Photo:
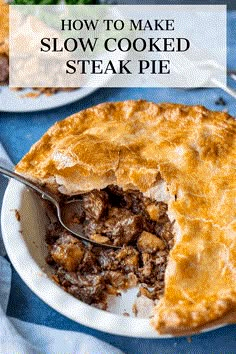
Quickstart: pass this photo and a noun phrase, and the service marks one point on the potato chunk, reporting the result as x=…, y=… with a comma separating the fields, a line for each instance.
x=100, y=239
x=149, y=243
x=156, y=210
x=68, y=252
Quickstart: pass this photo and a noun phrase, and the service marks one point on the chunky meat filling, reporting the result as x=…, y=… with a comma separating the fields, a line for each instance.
x=112, y=216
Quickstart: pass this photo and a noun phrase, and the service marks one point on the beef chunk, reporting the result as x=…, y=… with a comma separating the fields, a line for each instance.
x=95, y=204
x=122, y=226
x=54, y=231
x=92, y=227
x=128, y=258
x=134, y=201
x=88, y=288
x=153, y=270
x=89, y=264
x=116, y=279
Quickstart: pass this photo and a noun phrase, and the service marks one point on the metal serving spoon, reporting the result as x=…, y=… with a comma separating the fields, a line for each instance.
x=61, y=213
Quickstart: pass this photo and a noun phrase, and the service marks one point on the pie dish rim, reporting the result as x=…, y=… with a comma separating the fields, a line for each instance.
x=19, y=250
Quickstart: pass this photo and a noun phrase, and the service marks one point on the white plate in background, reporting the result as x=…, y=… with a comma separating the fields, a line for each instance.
x=14, y=101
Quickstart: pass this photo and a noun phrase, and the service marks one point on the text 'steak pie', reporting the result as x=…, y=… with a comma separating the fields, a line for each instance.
x=184, y=156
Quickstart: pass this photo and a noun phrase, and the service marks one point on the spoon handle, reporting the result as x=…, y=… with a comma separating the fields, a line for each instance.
x=45, y=194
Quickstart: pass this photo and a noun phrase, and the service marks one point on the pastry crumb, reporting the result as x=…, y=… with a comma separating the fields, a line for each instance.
x=135, y=310
x=55, y=278
x=126, y=314
x=17, y=215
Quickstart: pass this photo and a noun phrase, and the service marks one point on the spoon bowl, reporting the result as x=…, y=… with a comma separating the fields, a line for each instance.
x=66, y=211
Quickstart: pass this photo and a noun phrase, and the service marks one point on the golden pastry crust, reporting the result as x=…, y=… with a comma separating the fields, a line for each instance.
x=4, y=29
x=135, y=143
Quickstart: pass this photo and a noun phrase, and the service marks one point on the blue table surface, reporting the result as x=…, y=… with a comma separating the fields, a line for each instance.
x=18, y=131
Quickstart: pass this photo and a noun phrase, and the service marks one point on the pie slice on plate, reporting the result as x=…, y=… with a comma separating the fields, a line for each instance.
x=4, y=53
x=182, y=156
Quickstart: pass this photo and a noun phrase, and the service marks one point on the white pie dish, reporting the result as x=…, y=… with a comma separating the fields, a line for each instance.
x=25, y=245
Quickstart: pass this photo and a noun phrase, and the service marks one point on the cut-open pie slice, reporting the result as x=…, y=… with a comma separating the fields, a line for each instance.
x=182, y=156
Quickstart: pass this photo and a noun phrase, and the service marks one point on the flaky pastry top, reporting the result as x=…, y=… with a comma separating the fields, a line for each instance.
x=134, y=144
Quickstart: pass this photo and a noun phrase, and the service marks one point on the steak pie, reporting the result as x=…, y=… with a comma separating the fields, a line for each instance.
x=158, y=180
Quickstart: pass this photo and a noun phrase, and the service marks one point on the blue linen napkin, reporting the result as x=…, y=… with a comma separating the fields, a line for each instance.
x=19, y=337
